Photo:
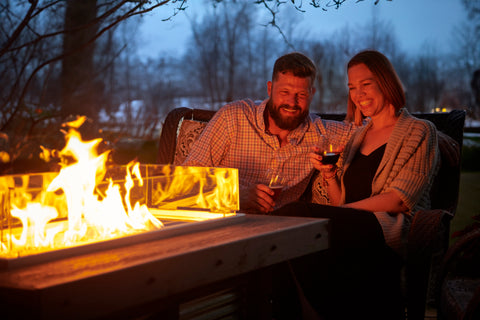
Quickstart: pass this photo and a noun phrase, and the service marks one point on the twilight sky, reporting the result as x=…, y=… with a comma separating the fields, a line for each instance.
x=416, y=23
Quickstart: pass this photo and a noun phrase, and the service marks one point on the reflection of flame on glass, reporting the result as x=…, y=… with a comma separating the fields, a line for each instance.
x=329, y=149
x=85, y=203
x=215, y=189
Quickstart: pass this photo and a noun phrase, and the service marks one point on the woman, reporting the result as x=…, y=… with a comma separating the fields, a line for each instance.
x=390, y=162
x=386, y=176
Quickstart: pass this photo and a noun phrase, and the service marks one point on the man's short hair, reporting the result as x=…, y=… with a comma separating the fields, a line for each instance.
x=296, y=63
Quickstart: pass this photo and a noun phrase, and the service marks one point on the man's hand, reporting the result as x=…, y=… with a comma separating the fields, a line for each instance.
x=257, y=198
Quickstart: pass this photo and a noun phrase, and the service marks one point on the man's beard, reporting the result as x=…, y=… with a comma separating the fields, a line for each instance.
x=286, y=123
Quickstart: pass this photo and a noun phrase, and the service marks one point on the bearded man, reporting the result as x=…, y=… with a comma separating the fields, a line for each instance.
x=274, y=136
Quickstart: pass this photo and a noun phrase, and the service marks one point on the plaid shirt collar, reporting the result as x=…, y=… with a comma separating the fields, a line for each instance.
x=294, y=137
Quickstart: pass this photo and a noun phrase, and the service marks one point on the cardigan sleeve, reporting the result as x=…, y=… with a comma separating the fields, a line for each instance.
x=414, y=168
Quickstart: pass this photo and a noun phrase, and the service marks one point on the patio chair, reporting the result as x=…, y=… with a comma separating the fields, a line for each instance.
x=429, y=232
x=459, y=297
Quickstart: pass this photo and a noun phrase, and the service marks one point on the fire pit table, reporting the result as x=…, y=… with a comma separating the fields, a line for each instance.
x=223, y=269
x=137, y=242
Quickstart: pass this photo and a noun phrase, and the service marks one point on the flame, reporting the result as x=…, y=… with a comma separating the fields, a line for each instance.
x=215, y=189
x=91, y=215
x=82, y=204
x=35, y=217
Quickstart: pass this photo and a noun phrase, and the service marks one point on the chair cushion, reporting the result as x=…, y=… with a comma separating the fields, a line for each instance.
x=189, y=132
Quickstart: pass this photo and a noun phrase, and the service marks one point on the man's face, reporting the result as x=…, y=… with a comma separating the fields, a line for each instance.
x=290, y=98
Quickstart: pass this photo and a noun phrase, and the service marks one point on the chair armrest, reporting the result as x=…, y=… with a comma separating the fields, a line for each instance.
x=428, y=234
x=426, y=228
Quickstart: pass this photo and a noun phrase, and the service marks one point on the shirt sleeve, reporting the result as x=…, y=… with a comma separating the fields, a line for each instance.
x=341, y=130
x=415, y=163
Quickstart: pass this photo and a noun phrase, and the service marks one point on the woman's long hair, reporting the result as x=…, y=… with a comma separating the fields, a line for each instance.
x=387, y=80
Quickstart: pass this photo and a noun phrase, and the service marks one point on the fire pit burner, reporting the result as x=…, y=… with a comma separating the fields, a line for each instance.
x=153, y=201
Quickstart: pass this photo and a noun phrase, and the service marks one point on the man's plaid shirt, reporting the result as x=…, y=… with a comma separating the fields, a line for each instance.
x=236, y=138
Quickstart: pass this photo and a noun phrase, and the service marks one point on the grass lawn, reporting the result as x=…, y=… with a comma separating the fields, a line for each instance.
x=469, y=201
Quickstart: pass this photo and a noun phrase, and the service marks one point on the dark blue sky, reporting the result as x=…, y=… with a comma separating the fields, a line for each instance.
x=417, y=23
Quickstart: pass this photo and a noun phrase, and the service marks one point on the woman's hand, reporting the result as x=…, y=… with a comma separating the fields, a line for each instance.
x=329, y=175
x=315, y=157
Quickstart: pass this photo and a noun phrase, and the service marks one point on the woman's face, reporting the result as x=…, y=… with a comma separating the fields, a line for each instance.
x=364, y=90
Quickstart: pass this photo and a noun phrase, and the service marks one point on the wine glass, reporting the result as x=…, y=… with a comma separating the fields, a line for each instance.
x=330, y=149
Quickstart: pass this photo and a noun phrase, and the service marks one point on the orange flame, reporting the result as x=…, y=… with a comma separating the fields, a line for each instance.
x=73, y=207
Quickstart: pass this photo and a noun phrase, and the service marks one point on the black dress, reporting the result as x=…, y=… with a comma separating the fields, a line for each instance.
x=359, y=175
x=359, y=275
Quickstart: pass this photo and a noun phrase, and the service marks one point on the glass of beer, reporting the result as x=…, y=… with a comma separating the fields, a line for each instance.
x=276, y=182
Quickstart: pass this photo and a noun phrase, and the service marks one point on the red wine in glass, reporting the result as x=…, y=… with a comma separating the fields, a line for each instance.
x=330, y=157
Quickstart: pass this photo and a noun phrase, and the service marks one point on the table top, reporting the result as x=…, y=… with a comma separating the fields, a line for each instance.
x=152, y=270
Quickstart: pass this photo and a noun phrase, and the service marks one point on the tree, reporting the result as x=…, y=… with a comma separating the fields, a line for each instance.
x=55, y=62
x=214, y=53
x=45, y=46
x=78, y=67
x=18, y=35
x=331, y=55
x=464, y=59
x=224, y=57
x=425, y=83
x=472, y=7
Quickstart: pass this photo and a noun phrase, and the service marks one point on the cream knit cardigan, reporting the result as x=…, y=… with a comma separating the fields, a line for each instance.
x=408, y=167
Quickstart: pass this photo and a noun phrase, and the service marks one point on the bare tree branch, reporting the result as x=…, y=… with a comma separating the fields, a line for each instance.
x=16, y=33
x=134, y=11
x=273, y=11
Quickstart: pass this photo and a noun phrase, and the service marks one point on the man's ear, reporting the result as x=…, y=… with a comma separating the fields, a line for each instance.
x=269, y=88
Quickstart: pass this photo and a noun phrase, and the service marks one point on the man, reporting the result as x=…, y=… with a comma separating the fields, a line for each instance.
x=275, y=135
